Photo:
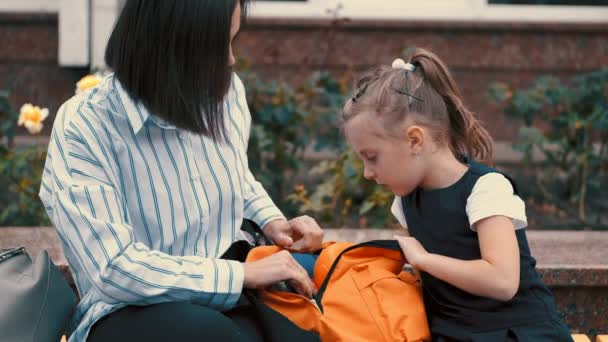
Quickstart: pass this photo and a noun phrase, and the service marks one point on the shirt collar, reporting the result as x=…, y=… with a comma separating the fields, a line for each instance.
x=135, y=111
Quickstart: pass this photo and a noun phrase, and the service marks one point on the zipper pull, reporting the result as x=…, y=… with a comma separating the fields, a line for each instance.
x=314, y=302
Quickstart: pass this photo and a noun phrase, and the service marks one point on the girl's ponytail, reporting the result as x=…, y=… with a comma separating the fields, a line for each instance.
x=466, y=135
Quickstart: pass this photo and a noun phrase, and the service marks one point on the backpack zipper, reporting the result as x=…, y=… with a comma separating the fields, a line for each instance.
x=387, y=244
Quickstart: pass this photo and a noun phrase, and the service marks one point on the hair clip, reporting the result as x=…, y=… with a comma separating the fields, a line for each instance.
x=403, y=92
x=400, y=64
x=359, y=93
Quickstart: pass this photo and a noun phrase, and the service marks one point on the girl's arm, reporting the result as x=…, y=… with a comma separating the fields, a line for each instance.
x=495, y=275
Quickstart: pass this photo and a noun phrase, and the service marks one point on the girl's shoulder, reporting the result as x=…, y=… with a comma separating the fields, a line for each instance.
x=494, y=194
x=486, y=174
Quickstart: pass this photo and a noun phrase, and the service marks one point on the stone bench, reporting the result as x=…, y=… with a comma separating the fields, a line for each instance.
x=574, y=264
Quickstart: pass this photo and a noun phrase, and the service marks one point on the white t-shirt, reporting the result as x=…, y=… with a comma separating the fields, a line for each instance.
x=492, y=195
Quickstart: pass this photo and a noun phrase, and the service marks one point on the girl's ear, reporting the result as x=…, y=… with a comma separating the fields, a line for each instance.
x=414, y=135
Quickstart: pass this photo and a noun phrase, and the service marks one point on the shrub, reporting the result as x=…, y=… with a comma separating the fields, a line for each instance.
x=568, y=124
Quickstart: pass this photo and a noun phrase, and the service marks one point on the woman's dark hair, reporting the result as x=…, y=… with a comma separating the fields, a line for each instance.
x=172, y=56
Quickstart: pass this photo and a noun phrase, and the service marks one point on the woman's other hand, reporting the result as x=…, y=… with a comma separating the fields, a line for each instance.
x=301, y=234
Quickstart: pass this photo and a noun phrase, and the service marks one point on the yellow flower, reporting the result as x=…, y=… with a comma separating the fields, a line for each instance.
x=32, y=117
x=89, y=81
x=276, y=100
x=348, y=202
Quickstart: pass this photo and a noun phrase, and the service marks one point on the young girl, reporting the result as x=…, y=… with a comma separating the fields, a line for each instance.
x=409, y=126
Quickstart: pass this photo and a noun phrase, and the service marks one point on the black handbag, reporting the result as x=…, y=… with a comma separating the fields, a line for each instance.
x=35, y=299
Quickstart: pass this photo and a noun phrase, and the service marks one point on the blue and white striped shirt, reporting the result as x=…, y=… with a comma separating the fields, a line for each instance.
x=144, y=209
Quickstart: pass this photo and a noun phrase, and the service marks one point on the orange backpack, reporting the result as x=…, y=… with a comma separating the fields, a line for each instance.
x=363, y=294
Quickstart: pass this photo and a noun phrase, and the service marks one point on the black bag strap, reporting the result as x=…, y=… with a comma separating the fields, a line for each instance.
x=259, y=238
x=239, y=249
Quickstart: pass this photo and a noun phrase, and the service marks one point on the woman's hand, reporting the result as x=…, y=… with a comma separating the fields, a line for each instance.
x=275, y=268
x=413, y=250
x=301, y=234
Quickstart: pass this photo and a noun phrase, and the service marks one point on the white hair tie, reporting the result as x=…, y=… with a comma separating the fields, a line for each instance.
x=400, y=64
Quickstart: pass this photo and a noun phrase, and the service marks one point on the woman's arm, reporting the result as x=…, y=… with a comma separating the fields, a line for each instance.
x=258, y=206
x=86, y=205
x=495, y=275
x=301, y=233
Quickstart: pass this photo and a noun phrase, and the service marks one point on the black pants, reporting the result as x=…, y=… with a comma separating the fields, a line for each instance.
x=249, y=321
x=176, y=322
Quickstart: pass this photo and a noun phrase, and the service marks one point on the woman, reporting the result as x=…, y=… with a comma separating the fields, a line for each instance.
x=147, y=183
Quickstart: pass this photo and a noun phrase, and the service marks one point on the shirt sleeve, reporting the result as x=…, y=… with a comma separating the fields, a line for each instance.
x=493, y=195
x=397, y=210
x=258, y=205
x=88, y=210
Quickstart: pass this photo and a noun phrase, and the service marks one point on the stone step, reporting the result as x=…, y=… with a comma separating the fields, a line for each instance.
x=574, y=264
x=503, y=153
x=564, y=258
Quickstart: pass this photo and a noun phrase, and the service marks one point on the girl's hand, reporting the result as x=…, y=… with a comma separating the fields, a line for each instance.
x=413, y=250
x=276, y=268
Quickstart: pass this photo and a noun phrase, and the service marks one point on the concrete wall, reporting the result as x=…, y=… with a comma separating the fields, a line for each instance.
x=477, y=53
x=290, y=49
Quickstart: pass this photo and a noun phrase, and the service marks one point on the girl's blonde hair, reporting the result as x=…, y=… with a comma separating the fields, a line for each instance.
x=429, y=96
